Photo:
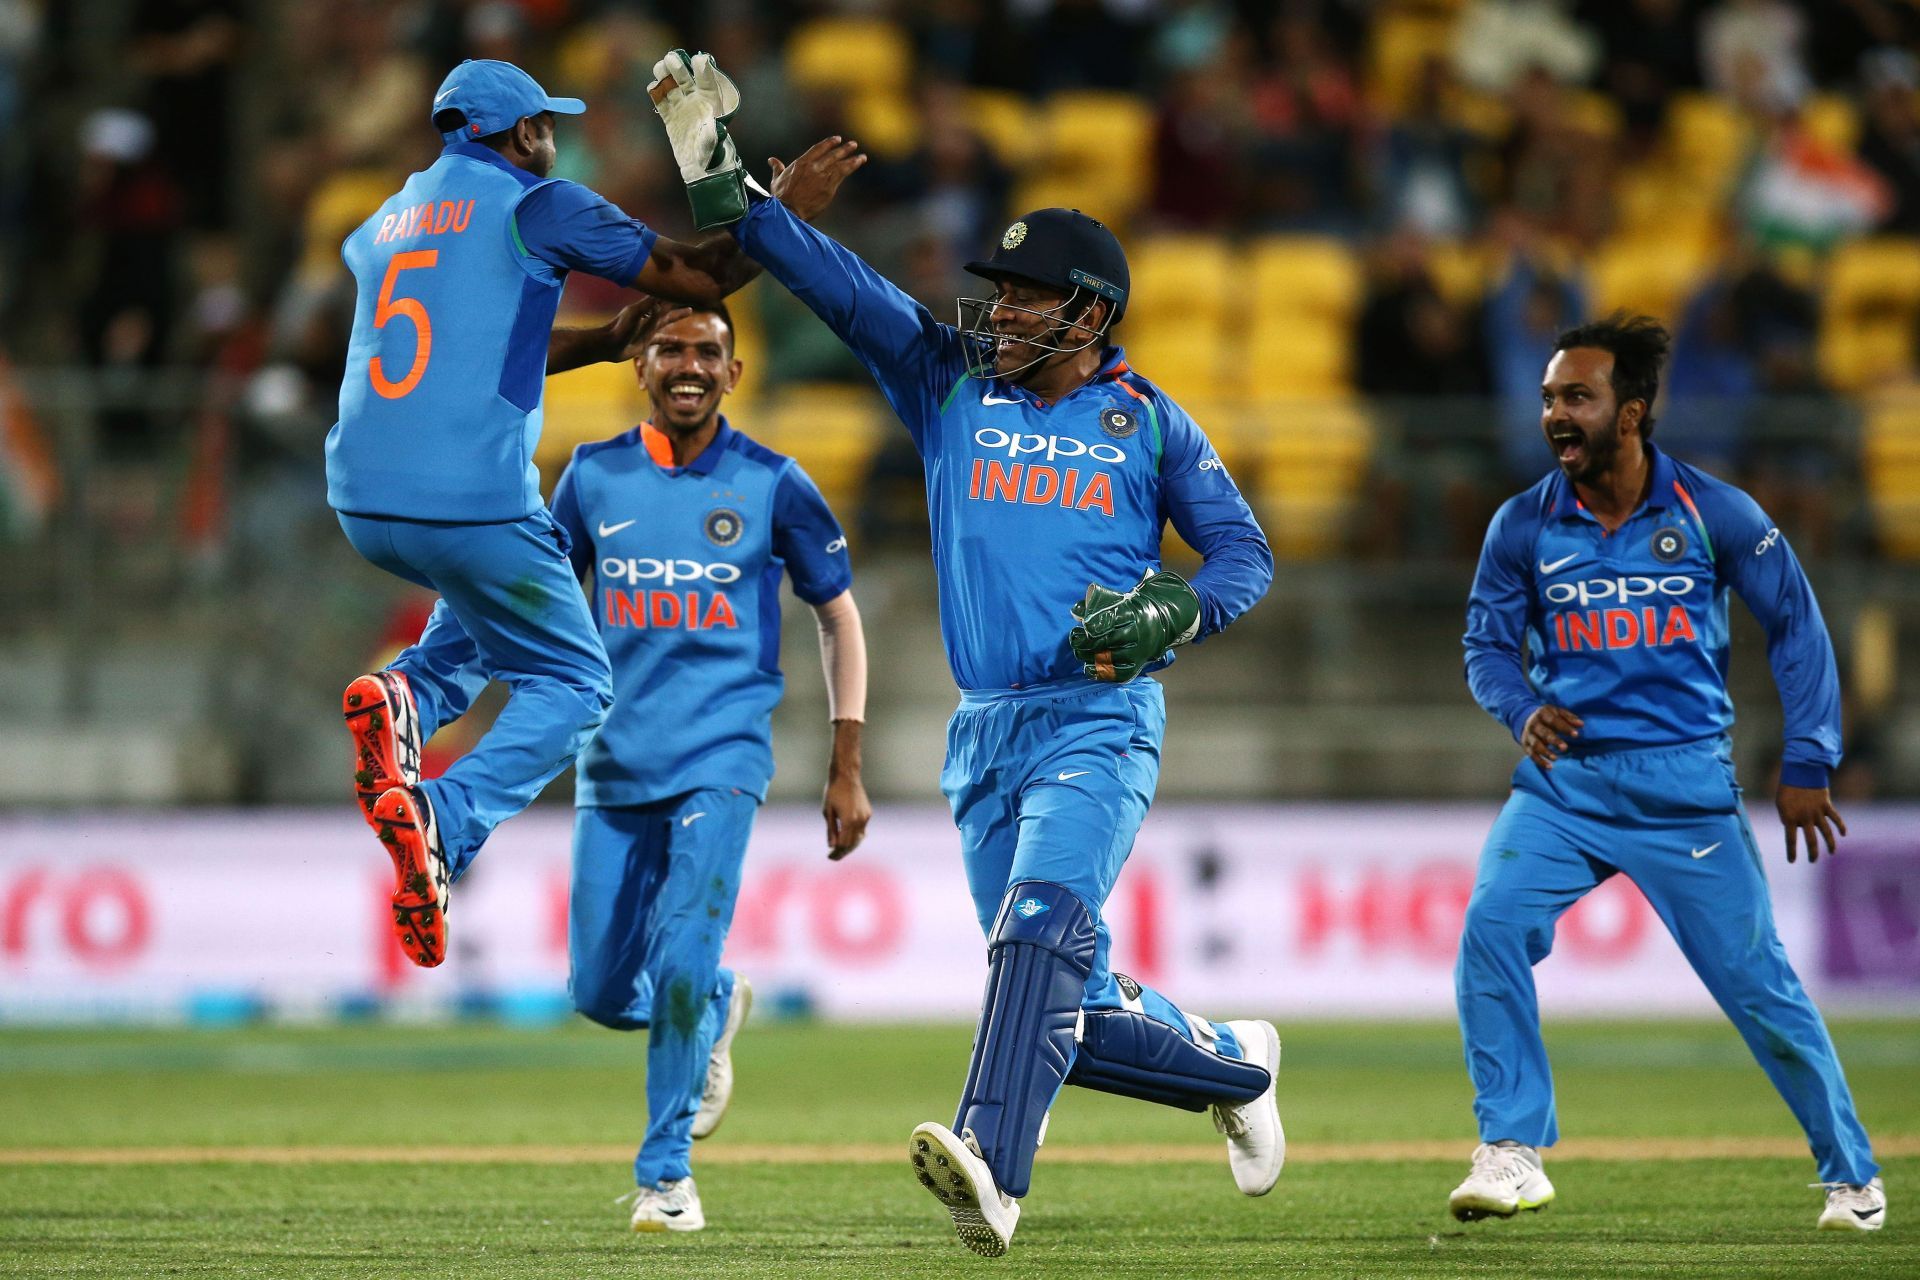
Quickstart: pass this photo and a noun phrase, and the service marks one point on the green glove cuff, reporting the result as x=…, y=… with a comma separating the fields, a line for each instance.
x=719, y=199
x=1170, y=606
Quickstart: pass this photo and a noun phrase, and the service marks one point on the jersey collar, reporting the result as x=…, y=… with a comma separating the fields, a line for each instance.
x=1662, y=493
x=1113, y=363
x=487, y=155
x=660, y=449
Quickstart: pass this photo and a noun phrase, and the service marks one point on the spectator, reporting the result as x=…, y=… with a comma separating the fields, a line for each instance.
x=1753, y=51
x=1711, y=382
x=1497, y=43
x=1087, y=44
x=1423, y=165
x=1890, y=140
x=1532, y=306
x=1651, y=52
x=1308, y=118
x=1554, y=172
x=1198, y=149
x=1802, y=191
x=186, y=52
x=131, y=206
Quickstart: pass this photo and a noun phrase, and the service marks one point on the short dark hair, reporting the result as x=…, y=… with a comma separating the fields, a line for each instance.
x=454, y=120
x=1639, y=346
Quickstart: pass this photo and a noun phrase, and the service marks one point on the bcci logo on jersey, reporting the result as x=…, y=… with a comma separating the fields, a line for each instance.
x=723, y=527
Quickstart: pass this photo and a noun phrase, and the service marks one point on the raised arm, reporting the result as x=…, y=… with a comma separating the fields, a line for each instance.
x=915, y=360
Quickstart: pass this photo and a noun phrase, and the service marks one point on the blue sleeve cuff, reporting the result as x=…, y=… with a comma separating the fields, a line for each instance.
x=647, y=238
x=1794, y=773
x=1517, y=723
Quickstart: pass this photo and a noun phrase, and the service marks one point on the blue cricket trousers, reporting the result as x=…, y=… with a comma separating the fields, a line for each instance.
x=653, y=893
x=510, y=609
x=1052, y=783
x=1671, y=820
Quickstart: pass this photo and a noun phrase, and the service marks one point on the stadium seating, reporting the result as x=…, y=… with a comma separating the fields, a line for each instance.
x=1005, y=120
x=832, y=430
x=1306, y=291
x=1180, y=320
x=1890, y=458
x=1095, y=155
x=1647, y=273
x=1310, y=458
x=1869, y=310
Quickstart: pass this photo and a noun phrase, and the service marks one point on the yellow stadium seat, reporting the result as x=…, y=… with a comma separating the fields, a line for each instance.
x=1869, y=309
x=589, y=403
x=1707, y=141
x=1594, y=112
x=1095, y=156
x=1833, y=120
x=1179, y=326
x=1401, y=43
x=1311, y=459
x=343, y=201
x=1461, y=270
x=855, y=55
x=1306, y=291
x=1009, y=124
x=1646, y=274
x=885, y=123
x=832, y=430
x=1890, y=458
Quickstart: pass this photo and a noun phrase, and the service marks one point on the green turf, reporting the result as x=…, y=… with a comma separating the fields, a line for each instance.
x=802, y=1083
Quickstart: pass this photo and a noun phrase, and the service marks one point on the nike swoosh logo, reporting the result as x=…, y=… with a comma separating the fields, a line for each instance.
x=1078, y=773
x=1864, y=1214
x=990, y=398
x=1549, y=568
x=448, y=94
x=608, y=530
x=1701, y=853
x=691, y=818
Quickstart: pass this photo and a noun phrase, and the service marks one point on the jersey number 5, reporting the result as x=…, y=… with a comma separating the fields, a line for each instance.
x=413, y=309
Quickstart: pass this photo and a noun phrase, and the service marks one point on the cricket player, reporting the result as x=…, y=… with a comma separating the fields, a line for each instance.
x=1050, y=464
x=430, y=466
x=1597, y=633
x=686, y=527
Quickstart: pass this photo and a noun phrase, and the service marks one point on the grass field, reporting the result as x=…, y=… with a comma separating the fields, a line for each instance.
x=486, y=1151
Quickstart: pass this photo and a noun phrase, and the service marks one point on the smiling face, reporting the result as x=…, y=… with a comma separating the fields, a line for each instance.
x=1023, y=339
x=687, y=369
x=1579, y=414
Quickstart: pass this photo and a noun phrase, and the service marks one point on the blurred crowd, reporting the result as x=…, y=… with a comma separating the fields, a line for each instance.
x=176, y=177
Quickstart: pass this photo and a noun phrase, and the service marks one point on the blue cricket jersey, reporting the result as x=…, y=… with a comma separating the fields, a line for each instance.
x=1629, y=630
x=686, y=565
x=1029, y=502
x=459, y=276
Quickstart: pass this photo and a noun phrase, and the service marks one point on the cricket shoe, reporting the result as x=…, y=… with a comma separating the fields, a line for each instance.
x=1256, y=1144
x=403, y=819
x=719, y=1087
x=672, y=1206
x=1851, y=1207
x=385, y=727
x=952, y=1168
x=1506, y=1178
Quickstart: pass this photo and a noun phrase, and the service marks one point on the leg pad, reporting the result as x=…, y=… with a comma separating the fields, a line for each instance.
x=1136, y=1056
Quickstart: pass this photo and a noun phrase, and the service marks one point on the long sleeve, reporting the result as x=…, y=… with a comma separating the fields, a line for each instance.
x=916, y=360
x=843, y=656
x=1497, y=624
x=1207, y=509
x=1755, y=560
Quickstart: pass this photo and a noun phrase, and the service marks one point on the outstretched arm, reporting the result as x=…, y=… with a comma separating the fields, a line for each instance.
x=698, y=273
x=622, y=338
x=915, y=359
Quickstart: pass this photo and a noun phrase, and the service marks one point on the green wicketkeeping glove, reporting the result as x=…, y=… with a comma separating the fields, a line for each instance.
x=1119, y=636
x=695, y=100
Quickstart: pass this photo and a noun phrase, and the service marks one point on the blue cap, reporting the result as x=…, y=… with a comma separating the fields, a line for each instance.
x=494, y=96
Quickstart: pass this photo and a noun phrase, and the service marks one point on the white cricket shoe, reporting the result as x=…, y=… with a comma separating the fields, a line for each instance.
x=1854, y=1208
x=1506, y=1178
x=952, y=1168
x=718, y=1091
x=1256, y=1144
x=673, y=1206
